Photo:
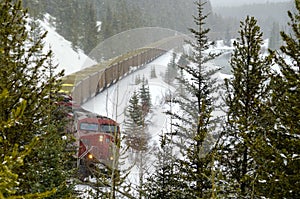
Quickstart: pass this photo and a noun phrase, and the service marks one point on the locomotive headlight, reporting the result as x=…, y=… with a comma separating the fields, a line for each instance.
x=111, y=158
x=101, y=138
x=90, y=156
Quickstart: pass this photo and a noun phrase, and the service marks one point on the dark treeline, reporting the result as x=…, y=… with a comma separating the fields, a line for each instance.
x=265, y=13
x=78, y=21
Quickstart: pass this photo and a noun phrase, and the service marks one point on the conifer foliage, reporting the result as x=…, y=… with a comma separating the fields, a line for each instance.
x=162, y=182
x=246, y=94
x=280, y=155
x=13, y=159
x=135, y=131
x=195, y=122
x=171, y=72
x=135, y=125
x=28, y=76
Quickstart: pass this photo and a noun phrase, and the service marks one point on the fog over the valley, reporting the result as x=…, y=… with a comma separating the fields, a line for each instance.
x=217, y=3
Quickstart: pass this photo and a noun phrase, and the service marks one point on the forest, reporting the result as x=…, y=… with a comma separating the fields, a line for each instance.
x=255, y=153
x=116, y=16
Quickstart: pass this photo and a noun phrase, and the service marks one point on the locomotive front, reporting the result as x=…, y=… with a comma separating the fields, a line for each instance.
x=98, y=141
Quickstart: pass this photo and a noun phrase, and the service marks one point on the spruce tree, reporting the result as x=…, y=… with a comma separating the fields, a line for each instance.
x=153, y=73
x=195, y=121
x=8, y=178
x=274, y=40
x=279, y=163
x=227, y=37
x=247, y=92
x=145, y=98
x=89, y=29
x=136, y=136
x=171, y=72
x=161, y=183
x=182, y=62
x=134, y=124
x=29, y=75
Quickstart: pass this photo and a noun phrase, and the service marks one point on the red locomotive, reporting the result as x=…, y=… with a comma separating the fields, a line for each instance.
x=98, y=143
x=97, y=140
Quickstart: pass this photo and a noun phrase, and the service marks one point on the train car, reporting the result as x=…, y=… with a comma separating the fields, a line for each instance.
x=85, y=84
x=98, y=144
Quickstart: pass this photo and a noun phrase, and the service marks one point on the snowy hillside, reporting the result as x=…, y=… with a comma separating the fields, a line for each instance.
x=64, y=55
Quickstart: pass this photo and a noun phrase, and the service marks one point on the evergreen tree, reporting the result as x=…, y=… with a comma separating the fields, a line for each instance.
x=29, y=75
x=145, y=98
x=106, y=26
x=278, y=172
x=195, y=122
x=182, y=62
x=14, y=159
x=134, y=124
x=247, y=92
x=34, y=8
x=109, y=184
x=120, y=16
x=274, y=40
x=163, y=180
x=227, y=38
x=137, y=80
x=136, y=136
x=153, y=73
x=89, y=29
x=171, y=72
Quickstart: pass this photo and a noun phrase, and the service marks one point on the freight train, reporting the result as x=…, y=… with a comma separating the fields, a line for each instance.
x=98, y=137
x=98, y=142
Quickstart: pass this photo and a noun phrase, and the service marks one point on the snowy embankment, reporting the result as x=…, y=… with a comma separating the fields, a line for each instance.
x=65, y=56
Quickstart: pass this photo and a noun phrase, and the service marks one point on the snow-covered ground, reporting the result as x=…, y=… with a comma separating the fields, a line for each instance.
x=65, y=56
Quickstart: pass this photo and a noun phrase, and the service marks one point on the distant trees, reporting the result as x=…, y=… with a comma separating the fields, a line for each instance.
x=90, y=32
x=274, y=40
x=153, y=73
x=33, y=132
x=75, y=20
x=171, y=72
x=119, y=17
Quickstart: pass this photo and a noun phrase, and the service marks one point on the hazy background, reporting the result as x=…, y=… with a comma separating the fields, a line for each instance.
x=216, y=3
x=79, y=21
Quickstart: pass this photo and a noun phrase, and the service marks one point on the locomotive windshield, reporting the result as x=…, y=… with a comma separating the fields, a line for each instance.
x=89, y=126
x=108, y=128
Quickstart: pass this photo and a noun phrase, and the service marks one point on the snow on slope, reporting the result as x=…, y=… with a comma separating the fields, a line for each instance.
x=64, y=55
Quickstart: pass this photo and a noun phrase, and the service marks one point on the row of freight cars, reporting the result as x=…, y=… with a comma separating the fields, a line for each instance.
x=87, y=83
